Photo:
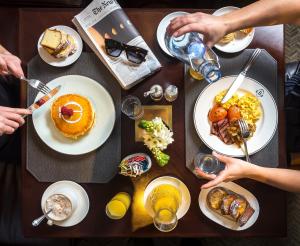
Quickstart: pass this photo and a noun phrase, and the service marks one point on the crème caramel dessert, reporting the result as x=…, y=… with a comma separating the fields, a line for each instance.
x=73, y=115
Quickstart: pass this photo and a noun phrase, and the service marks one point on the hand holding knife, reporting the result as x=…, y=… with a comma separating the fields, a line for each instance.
x=240, y=78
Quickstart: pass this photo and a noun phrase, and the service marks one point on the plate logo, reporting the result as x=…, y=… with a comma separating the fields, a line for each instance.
x=260, y=93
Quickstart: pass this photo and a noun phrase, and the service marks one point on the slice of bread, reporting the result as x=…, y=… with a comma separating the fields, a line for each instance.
x=70, y=49
x=51, y=39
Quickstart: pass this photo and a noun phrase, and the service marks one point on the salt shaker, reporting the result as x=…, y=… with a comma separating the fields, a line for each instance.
x=171, y=93
x=155, y=92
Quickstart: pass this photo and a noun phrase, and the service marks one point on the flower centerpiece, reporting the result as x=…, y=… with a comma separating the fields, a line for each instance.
x=157, y=136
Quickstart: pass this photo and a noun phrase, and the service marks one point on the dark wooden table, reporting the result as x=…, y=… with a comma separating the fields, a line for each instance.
x=21, y=35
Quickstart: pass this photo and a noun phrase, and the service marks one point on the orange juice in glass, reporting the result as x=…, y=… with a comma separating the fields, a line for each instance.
x=117, y=207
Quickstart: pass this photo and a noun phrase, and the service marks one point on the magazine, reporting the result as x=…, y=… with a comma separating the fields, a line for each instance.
x=106, y=19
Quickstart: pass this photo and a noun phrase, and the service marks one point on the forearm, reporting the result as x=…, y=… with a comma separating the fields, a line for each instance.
x=284, y=179
x=264, y=12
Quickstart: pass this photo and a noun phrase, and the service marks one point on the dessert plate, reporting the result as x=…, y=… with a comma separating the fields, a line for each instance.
x=265, y=127
x=61, y=62
x=105, y=116
x=69, y=188
x=185, y=199
x=241, y=42
x=223, y=221
x=161, y=29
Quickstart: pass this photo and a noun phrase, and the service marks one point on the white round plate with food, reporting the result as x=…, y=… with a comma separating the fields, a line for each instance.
x=61, y=62
x=161, y=29
x=222, y=220
x=104, y=109
x=185, y=194
x=69, y=188
x=265, y=127
x=241, y=40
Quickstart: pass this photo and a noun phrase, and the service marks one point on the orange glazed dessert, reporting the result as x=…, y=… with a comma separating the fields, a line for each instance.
x=73, y=115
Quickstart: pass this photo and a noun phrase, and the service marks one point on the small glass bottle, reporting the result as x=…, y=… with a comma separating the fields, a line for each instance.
x=171, y=93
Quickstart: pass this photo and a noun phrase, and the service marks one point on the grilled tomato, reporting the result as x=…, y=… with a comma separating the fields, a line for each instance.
x=217, y=113
x=234, y=113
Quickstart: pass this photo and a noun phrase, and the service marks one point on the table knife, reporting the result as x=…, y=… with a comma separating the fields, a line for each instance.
x=39, y=103
x=240, y=78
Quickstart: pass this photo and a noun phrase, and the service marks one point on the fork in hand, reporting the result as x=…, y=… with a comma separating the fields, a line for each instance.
x=37, y=84
x=245, y=133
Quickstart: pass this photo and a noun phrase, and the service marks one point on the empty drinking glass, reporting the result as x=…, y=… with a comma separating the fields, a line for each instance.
x=132, y=107
x=208, y=163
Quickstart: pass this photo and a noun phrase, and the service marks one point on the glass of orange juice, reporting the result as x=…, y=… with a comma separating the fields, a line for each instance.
x=165, y=200
x=117, y=207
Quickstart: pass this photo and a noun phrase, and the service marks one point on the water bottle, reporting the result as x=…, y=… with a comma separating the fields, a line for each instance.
x=190, y=49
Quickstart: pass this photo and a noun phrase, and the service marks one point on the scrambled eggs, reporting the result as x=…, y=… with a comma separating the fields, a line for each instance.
x=248, y=104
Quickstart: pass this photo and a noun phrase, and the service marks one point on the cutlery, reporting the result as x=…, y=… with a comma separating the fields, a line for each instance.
x=240, y=78
x=37, y=84
x=37, y=104
x=245, y=133
x=37, y=221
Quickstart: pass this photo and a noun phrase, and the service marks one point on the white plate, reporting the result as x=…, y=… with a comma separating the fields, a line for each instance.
x=241, y=42
x=186, y=197
x=223, y=221
x=161, y=29
x=105, y=116
x=61, y=62
x=68, y=188
x=265, y=126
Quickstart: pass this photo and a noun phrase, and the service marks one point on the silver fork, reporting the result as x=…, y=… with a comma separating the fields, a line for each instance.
x=37, y=84
x=245, y=133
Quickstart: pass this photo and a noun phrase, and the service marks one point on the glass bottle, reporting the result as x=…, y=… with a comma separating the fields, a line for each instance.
x=190, y=49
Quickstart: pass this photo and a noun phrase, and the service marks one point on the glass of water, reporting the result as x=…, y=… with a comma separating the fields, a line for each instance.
x=208, y=163
x=132, y=107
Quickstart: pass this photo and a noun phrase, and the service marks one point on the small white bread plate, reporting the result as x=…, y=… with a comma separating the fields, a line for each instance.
x=185, y=194
x=105, y=116
x=241, y=42
x=161, y=29
x=223, y=221
x=61, y=62
x=265, y=127
x=69, y=188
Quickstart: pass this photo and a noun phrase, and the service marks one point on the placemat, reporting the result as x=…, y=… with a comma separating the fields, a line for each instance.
x=264, y=70
x=99, y=166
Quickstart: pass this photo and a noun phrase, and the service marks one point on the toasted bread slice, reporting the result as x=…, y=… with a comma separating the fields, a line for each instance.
x=51, y=39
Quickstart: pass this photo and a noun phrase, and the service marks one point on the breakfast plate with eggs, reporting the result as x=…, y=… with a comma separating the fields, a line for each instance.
x=79, y=119
x=59, y=46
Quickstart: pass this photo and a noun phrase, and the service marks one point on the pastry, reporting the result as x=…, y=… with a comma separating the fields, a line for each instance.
x=228, y=38
x=73, y=115
x=215, y=197
x=58, y=43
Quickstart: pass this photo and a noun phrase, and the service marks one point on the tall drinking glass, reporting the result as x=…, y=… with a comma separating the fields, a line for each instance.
x=132, y=107
x=165, y=200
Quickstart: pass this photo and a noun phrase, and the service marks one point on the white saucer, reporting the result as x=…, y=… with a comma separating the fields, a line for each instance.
x=161, y=29
x=82, y=206
x=61, y=62
x=238, y=44
x=185, y=194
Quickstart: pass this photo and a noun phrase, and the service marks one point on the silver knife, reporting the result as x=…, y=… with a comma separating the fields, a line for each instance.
x=240, y=78
x=39, y=103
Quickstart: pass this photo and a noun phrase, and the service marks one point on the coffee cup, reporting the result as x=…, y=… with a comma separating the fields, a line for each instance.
x=61, y=206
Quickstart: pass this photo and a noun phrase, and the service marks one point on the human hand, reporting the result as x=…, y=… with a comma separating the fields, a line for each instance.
x=11, y=119
x=212, y=27
x=234, y=169
x=10, y=64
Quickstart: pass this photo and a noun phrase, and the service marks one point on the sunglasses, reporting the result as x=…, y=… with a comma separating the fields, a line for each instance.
x=134, y=54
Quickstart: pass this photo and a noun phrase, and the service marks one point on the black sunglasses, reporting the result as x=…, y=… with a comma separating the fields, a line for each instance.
x=134, y=54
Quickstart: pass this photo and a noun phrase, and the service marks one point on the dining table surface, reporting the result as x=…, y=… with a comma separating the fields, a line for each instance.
x=20, y=31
